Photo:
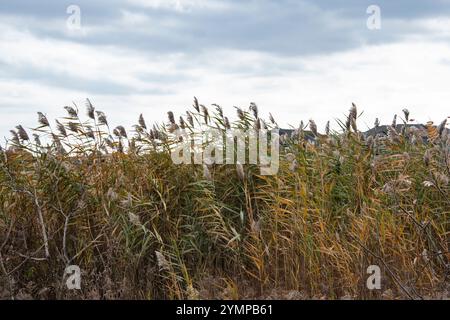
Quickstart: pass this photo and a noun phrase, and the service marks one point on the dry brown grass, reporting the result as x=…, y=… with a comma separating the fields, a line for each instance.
x=112, y=202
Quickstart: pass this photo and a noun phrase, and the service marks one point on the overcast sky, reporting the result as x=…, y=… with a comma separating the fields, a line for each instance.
x=299, y=59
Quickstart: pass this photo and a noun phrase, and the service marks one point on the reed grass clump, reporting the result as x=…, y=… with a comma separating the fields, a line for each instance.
x=111, y=201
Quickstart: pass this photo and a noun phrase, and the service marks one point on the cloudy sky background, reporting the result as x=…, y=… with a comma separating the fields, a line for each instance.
x=299, y=59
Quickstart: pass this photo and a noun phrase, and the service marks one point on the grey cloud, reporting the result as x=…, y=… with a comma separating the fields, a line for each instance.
x=90, y=86
x=281, y=27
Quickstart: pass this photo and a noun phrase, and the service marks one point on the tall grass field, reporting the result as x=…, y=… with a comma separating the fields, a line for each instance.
x=110, y=200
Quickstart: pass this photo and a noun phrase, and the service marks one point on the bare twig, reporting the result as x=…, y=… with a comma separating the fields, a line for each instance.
x=42, y=223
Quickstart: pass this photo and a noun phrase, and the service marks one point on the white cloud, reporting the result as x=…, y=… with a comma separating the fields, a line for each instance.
x=382, y=80
x=101, y=63
x=439, y=26
x=182, y=5
x=130, y=18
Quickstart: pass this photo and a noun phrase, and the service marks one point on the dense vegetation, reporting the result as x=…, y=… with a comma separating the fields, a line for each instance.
x=139, y=226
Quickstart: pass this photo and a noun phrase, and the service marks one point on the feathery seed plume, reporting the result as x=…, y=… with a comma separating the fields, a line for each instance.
x=313, y=127
x=134, y=219
x=189, y=119
x=226, y=123
x=240, y=113
x=43, y=120
x=406, y=113
x=71, y=111
x=441, y=127
x=254, y=109
x=163, y=264
x=196, y=105
x=171, y=117
x=142, y=122
x=182, y=123
x=205, y=113
x=22, y=133
x=90, y=109
x=394, y=122
x=271, y=118
x=102, y=118
x=353, y=112
x=219, y=110
x=61, y=128
x=120, y=131
x=15, y=137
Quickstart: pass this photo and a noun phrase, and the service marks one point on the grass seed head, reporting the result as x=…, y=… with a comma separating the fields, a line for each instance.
x=226, y=123
x=71, y=111
x=327, y=128
x=90, y=109
x=120, y=131
x=240, y=114
x=142, y=121
x=101, y=117
x=61, y=128
x=254, y=109
x=190, y=119
x=313, y=127
x=182, y=123
x=163, y=264
x=205, y=114
x=43, y=119
x=394, y=122
x=22, y=133
x=441, y=127
x=196, y=105
x=171, y=117
x=134, y=219
x=15, y=137
x=406, y=113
